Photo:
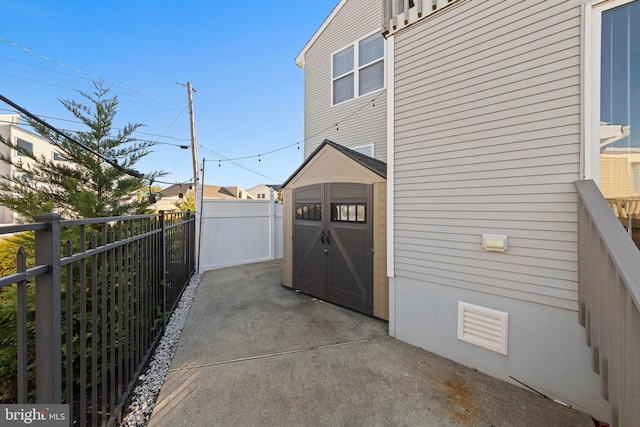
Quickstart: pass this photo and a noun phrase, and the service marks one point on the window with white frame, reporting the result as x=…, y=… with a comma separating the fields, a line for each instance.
x=24, y=146
x=615, y=108
x=358, y=69
x=367, y=150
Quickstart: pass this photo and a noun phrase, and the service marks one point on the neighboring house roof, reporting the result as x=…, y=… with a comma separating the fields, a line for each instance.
x=275, y=187
x=377, y=166
x=175, y=189
x=334, y=12
x=210, y=191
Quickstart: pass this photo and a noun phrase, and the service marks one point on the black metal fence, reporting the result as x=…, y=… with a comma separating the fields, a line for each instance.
x=91, y=301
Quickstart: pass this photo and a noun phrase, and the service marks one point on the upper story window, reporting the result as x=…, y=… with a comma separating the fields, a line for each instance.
x=24, y=146
x=59, y=158
x=358, y=69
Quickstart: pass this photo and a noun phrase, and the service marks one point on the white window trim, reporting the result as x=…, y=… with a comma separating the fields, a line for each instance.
x=357, y=68
x=372, y=146
x=592, y=26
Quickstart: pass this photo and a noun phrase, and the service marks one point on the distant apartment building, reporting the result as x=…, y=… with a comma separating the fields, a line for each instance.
x=30, y=142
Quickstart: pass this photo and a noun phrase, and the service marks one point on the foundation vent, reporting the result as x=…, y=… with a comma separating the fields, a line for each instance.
x=483, y=327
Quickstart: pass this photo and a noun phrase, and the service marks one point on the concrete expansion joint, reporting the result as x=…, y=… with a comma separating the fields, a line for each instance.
x=280, y=353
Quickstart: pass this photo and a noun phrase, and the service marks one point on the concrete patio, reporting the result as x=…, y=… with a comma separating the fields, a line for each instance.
x=254, y=353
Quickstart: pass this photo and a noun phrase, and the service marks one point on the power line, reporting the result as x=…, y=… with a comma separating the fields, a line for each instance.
x=44, y=68
x=85, y=79
x=236, y=164
x=32, y=52
x=113, y=163
x=79, y=122
x=162, y=107
x=223, y=158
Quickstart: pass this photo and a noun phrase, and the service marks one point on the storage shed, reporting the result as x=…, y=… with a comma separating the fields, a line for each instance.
x=335, y=229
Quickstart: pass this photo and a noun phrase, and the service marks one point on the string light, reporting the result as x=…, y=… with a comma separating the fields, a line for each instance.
x=297, y=144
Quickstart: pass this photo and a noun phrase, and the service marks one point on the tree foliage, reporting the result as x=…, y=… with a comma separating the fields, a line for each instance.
x=188, y=202
x=84, y=186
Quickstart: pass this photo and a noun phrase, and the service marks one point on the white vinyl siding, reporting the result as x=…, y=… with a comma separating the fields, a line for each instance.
x=487, y=140
x=361, y=120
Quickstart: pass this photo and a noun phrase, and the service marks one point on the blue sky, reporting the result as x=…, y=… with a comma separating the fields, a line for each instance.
x=241, y=62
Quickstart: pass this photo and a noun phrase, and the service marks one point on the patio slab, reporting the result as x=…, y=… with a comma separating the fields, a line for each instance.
x=254, y=353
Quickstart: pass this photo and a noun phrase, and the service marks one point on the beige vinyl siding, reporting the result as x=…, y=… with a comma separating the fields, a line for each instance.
x=366, y=123
x=381, y=281
x=487, y=140
x=287, y=237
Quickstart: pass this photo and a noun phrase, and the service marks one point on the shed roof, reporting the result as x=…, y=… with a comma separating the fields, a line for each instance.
x=377, y=166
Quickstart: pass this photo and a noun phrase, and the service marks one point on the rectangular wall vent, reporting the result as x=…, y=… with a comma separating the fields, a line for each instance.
x=483, y=327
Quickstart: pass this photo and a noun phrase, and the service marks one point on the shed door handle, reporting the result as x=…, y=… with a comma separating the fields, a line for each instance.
x=329, y=237
x=322, y=237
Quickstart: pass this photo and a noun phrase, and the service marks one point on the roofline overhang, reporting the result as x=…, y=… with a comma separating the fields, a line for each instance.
x=312, y=40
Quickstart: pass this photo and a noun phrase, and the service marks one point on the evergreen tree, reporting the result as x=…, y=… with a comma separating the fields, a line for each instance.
x=84, y=186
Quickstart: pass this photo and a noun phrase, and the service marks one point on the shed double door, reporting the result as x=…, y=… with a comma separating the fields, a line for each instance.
x=333, y=243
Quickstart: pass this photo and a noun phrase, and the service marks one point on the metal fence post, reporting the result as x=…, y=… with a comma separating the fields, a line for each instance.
x=187, y=221
x=163, y=260
x=48, y=312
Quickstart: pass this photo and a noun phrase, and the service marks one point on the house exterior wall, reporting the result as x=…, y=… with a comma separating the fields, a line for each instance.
x=486, y=130
x=356, y=19
x=260, y=191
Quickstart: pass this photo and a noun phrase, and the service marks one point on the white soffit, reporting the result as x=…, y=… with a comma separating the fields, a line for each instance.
x=484, y=327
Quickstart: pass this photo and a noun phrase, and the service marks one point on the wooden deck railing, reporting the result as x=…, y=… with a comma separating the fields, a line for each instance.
x=397, y=14
x=609, y=293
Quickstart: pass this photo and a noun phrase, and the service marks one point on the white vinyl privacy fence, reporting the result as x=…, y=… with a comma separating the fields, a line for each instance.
x=234, y=232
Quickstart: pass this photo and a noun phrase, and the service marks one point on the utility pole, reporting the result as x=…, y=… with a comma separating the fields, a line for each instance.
x=194, y=143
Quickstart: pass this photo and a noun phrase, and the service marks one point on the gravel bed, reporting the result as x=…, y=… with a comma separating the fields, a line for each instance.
x=144, y=395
